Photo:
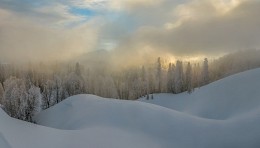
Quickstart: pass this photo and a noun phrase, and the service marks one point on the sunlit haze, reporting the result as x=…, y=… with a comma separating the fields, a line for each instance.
x=129, y=74
x=138, y=30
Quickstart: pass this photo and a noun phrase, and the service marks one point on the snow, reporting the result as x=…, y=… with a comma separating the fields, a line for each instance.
x=223, y=114
x=223, y=99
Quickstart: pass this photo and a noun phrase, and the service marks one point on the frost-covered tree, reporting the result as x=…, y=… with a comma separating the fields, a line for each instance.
x=188, y=78
x=3, y=73
x=110, y=91
x=58, y=89
x=15, y=98
x=74, y=82
x=135, y=91
x=19, y=102
x=151, y=81
x=169, y=78
x=33, y=102
x=205, y=72
x=178, y=77
x=196, y=75
x=47, y=94
x=78, y=69
x=100, y=86
x=144, y=83
x=1, y=94
x=173, y=78
x=159, y=74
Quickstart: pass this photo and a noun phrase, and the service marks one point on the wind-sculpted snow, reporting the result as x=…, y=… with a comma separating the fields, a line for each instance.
x=224, y=114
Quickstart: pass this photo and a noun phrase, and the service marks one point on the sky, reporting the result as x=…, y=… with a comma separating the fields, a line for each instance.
x=135, y=29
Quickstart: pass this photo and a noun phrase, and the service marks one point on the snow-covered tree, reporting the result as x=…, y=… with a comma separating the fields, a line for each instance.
x=58, y=89
x=196, y=75
x=15, y=98
x=188, y=78
x=173, y=78
x=205, y=72
x=47, y=94
x=78, y=69
x=135, y=88
x=33, y=102
x=144, y=83
x=169, y=78
x=110, y=91
x=178, y=77
x=159, y=74
x=3, y=73
x=1, y=94
x=20, y=102
x=75, y=83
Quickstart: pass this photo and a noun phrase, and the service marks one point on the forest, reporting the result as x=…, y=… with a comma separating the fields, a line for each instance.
x=27, y=89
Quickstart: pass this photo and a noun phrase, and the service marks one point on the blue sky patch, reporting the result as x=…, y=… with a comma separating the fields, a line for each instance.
x=83, y=11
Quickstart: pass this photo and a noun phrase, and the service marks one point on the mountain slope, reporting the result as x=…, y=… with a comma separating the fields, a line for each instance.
x=223, y=99
x=202, y=119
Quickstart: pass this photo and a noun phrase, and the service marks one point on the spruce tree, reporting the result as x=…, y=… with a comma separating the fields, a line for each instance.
x=205, y=72
x=188, y=78
x=169, y=78
x=178, y=77
x=1, y=94
x=159, y=74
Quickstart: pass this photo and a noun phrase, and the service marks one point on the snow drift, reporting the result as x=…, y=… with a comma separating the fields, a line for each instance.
x=223, y=114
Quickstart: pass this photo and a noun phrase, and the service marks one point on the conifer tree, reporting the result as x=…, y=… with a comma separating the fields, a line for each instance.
x=188, y=78
x=159, y=74
x=1, y=94
x=205, y=72
x=169, y=78
x=178, y=77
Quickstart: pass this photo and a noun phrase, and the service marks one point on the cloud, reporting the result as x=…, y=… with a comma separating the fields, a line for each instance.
x=58, y=14
x=130, y=29
x=90, y=4
x=198, y=27
x=23, y=39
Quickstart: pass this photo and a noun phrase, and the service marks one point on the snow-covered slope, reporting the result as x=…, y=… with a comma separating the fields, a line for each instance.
x=210, y=117
x=227, y=98
x=18, y=134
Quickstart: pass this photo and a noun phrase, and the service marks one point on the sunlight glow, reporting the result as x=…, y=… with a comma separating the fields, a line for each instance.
x=224, y=6
x=192, y=59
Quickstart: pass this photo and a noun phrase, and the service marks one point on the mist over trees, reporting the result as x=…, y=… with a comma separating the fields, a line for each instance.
x=27, y=89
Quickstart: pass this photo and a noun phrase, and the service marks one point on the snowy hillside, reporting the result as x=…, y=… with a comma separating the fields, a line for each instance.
x=227, y=98
x=224, y=114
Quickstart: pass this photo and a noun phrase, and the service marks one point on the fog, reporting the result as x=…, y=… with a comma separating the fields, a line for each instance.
x=132, y=32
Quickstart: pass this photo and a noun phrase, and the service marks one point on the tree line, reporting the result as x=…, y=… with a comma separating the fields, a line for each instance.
x=25, y=90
